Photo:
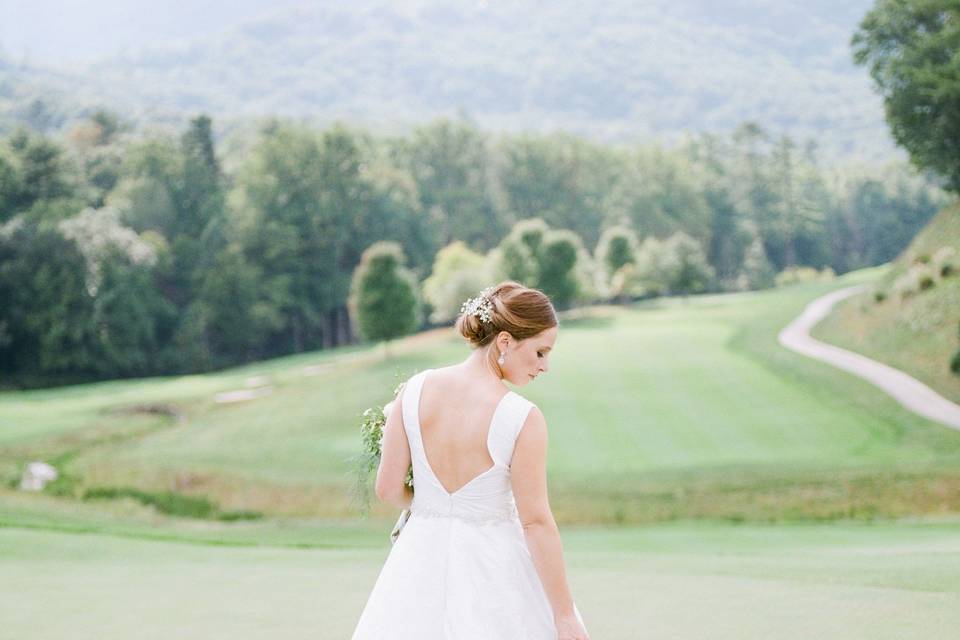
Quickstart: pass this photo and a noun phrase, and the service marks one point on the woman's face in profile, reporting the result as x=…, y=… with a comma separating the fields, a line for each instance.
x=529, y=358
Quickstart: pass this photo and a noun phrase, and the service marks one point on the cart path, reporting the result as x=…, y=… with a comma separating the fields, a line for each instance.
x=908, y=391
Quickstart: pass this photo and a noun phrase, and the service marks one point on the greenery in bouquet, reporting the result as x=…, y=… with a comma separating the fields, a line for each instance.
x=371, y=436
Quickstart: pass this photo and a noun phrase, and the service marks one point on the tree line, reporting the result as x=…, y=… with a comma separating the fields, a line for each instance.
x=125, y=252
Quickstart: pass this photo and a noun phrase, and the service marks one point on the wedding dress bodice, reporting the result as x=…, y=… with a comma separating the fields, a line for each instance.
x=488, y=496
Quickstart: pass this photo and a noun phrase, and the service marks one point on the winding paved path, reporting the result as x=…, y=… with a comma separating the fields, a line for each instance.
x=910, y=392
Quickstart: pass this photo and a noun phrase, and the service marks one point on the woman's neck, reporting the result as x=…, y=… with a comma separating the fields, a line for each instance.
x=479, y=367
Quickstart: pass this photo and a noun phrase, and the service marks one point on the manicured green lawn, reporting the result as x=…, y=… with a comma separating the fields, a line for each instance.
x=678, y=580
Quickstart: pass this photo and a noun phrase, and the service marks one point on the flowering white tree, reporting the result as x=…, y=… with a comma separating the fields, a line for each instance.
x=98, y=233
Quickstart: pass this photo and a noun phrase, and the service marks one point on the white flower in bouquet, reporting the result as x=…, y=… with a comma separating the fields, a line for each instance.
x=371, y=435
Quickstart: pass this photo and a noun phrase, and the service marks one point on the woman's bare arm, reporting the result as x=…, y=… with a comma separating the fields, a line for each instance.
x=394, y=460
x=528, y=472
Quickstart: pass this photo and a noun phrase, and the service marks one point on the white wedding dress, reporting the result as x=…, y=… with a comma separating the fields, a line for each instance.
x=460, y=569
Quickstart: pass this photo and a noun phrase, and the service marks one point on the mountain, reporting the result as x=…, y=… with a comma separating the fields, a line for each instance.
x=618, y=71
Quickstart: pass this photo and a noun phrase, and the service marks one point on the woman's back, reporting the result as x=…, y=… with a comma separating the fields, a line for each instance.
x=455, y=419
x=475, y=462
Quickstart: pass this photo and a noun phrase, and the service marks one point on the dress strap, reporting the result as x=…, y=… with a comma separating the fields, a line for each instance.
x=411, y=405
x=505, y=429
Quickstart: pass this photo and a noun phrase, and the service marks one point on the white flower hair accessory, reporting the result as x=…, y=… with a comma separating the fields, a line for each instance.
x=481, y=306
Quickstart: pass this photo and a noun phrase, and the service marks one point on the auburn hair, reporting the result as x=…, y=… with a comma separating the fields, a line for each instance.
x=521, y=311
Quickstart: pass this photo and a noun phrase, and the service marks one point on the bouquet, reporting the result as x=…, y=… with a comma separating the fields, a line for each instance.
x=371, y=435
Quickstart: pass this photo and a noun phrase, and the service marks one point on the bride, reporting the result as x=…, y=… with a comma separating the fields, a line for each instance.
x=480, y=557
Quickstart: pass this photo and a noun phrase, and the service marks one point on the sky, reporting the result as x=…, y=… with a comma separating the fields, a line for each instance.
x=62, y=32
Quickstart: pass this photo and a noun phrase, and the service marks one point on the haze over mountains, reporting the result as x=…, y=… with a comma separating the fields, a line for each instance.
x=617, y=71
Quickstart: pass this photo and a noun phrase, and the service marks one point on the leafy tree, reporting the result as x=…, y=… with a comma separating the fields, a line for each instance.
x=558, y=258
x=659, y=193
x=177, y=189
x=384, y=293
x=450, y=162
x=910, y=47
x=458, y=274
x=675, y=265
x=100, y=156
x=795, y=214
x=617, y=247
x=38, y=180
x=560, y=179
x=756, y=272
x=691, y=271
x=519, y=252
x=309, y=206
x=45, y=320
x=200, y=196
x=130, y=316
x=132, y=319
x=728, y=239
x=9, y=186
x=239, y=312
x=396, y=212
x=291, y=233
x=652, y=273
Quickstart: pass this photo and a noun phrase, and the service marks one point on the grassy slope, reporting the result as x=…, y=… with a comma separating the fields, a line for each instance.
x=677, y=409
x=916, y=333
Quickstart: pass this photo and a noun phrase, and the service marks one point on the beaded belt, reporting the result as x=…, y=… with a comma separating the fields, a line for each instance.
x=476, y=519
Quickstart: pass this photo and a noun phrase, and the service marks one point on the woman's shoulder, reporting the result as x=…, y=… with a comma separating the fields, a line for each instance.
x=524, y=409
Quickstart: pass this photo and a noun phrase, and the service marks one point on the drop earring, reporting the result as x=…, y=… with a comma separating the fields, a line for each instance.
x=500, y=359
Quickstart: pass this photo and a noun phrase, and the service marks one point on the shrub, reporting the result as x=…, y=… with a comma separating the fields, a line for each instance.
x=519, y=253
x=384, y=293
x=458, y=273
x=879, y=296
x=943, y=262
x=560, y=251
x=955, y=361
x=918, y=278
x=616, y=248
x=793, y=275
x=796, y=275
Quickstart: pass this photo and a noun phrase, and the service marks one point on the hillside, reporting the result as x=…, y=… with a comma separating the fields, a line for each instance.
x=614, y=71
x=912, y=328
x=693, y=411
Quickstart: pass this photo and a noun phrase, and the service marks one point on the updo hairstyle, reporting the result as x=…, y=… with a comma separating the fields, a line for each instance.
x=519, y=310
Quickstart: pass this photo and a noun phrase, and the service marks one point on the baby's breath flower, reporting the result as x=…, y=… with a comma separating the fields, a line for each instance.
x=481, y=306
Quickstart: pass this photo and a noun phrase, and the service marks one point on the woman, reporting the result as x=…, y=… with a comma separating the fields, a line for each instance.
x=480, y=556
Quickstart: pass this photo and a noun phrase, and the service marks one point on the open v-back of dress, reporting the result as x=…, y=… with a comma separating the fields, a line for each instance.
x=460, y=569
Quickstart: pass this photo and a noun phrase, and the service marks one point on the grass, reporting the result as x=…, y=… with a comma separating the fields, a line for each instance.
x=689, y=580
x=914, y=329
x=672, y=409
